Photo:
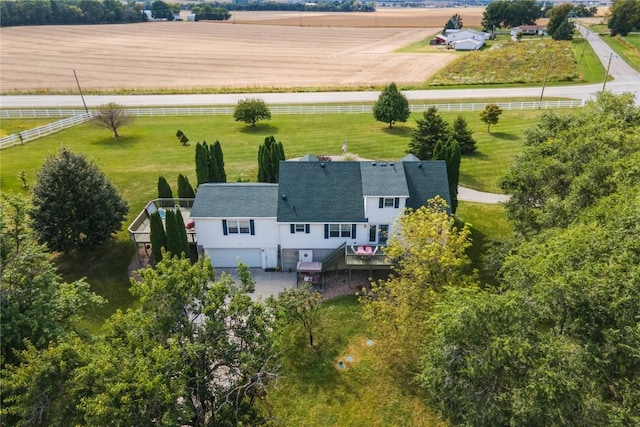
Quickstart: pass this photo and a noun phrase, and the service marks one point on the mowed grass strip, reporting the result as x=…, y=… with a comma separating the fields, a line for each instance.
x=628, y=48
x=313, y=392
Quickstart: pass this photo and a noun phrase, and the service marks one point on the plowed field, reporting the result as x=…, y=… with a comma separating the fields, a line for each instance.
x=253, y=49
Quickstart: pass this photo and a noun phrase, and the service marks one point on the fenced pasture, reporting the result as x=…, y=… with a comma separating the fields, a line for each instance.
x=252, y=50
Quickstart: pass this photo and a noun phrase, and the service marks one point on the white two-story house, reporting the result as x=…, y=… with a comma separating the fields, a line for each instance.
x=338, y=213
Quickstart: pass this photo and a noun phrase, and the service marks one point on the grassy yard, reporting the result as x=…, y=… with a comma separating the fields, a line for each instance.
x=314, y=392
x=149, y=148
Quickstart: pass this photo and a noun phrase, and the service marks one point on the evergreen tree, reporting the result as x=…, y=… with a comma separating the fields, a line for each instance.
x=202, y=163
x=174, y=242
x=182, y=233
x=463, y=135
x=75, y=206
x=392, y=106
x=158, y=236
x=212, y=164
x=164, y=192
x=430, y=129
x=218, y=157
x=449, y=151
x=185, y=190
x=269, y=156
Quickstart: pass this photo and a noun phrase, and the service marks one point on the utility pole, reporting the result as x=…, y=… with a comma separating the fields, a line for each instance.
x=544, y=83
x=584, y=44
x=81, y=95
x=606, y=75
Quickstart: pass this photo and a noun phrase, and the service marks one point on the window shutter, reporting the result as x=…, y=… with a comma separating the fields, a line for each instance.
x=292, y=228
x=353, y=230
x=381, y=202
x=224, y=227
x=307, y=229
x=396, y=202
x=326, y=231
x=252, y=227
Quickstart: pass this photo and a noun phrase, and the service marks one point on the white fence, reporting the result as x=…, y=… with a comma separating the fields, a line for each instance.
x=35, y=133
x=80, y=116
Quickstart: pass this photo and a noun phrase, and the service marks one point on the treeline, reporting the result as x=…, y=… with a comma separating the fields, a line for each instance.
x=54, y=12
x=333, y=6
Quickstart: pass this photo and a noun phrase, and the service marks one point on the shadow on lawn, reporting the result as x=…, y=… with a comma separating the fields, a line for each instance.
x=505, y=136
x=260, y=129
x=120, y=142
x=404, y=131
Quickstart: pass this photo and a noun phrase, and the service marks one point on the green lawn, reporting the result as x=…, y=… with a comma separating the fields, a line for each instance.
x=149, y=148
x=11, y=126
x=313, y=392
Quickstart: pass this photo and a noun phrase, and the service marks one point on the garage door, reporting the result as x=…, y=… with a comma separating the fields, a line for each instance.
x=229, y=257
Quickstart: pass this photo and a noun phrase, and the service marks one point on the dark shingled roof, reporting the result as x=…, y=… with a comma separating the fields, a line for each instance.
x=236, y=200
x=383, y=179
x=426, y=179
x=320, y=192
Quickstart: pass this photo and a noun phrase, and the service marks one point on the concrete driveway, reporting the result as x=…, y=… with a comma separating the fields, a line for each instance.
x=268, y=283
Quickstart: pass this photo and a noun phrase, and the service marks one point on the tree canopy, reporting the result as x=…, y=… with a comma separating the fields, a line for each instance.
x=392, y=106
x=111, y=116
x=624, y=17
x=559, y=26
x=428, y=252
x=506, y=14
x=556, y=341
x=194, y=352
x=490, y=115
x=251, y=111
x=75, y=206
x=570, y=160
x=270, y=153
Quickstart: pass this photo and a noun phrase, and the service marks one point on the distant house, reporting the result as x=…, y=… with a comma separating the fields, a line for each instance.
x=467, y=44
x=438, y=40
x=466, y=39
x=465, y=33
x=529, y=30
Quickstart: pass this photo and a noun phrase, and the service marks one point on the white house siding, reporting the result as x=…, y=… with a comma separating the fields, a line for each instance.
x=377, y=215
x=212, y=240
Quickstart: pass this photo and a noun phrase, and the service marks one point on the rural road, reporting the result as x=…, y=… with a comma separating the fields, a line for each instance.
x=626, y=79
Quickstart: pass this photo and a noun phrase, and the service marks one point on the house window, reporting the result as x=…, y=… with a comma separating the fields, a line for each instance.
x=339, y=230
x=299, y=228
x=238, y=226
x=389, y=202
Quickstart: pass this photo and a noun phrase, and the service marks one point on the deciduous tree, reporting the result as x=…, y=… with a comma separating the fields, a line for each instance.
x=36, y=305
x=392, y=106
x=251, y=110
x=111, y=116
x=624, y=17
x=75, y=206
x=559, y=26
x=454, y=23
x=429, y=254
x=490, y=115
x=301, y=305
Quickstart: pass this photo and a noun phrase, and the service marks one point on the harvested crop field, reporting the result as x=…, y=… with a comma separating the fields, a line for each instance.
x=252, y=50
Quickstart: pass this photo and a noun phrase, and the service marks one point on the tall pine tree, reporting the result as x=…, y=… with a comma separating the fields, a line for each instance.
x=164, y=192
x=182, y=235
x=269, y=156
x=158, y=236
x=218, y=158
x=202, y=163
x=174, y=245
x=463, y=135
x=449, y=151
x=431, y=128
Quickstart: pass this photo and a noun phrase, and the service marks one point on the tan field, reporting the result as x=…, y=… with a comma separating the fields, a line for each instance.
x=252, y=50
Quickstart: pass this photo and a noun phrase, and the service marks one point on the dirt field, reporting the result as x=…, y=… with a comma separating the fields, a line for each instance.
x=253, y=49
